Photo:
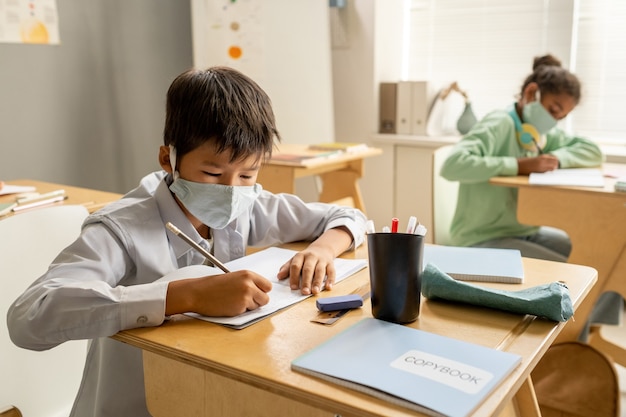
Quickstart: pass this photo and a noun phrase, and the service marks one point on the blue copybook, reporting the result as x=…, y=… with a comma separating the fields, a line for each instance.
x=476, y=264
x=429, y=373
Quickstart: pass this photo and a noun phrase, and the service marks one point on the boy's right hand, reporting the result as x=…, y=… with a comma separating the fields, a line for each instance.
x=226, y=295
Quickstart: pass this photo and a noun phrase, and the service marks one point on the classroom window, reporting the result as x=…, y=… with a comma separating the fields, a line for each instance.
x=487, y=46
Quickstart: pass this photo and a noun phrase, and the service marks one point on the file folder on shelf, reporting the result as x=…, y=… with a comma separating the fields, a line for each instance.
x=404, y=107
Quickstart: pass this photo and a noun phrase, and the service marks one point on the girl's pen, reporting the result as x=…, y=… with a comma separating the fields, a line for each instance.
x=537, y=146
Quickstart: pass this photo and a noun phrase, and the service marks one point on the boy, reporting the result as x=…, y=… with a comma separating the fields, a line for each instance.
x=219, y=128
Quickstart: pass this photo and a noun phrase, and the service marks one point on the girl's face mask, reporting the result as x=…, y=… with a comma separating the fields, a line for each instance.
x=215, y=205
x=535, y=114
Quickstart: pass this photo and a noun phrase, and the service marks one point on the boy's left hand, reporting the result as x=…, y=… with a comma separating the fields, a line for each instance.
x=311, y=270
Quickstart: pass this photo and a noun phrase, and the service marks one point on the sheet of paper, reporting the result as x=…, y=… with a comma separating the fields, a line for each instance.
x=28, y=21
x=579, y=177
x=265, y=263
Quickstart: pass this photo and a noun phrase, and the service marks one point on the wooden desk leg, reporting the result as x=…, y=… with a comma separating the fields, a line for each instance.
x=344, y=183
x=526, y=401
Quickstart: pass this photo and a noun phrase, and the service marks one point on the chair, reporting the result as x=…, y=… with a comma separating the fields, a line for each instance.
x=575, y=380
x=39, y=384
x=606, y=338
x=444, y=198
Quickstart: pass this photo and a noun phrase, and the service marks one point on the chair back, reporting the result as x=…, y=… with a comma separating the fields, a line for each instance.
x=44, y=383
x=444, y=198
x=574, y=379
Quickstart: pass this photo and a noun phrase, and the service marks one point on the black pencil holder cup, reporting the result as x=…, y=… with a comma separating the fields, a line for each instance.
x=395, y=266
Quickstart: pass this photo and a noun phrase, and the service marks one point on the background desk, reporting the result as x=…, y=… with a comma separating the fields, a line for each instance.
x=196, y=368
x=91, y=199
x=339, y=174
x=594, y=218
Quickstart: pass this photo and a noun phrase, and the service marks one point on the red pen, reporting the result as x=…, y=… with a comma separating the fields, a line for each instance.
x=394, y=225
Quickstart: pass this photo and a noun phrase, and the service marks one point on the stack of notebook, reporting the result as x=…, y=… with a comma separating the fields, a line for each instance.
x=477, y=264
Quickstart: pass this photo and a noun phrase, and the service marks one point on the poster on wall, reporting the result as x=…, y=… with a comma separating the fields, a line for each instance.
x=232, y=34
x=29, y=22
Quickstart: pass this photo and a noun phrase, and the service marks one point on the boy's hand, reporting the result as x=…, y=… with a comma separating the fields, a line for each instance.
x=541, y=163
x=227, y=295
x=309, y=269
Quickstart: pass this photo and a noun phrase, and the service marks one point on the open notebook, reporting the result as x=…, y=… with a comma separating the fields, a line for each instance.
x=579, y=177
x=422, y=371
x=476, y=264
x=266, y=263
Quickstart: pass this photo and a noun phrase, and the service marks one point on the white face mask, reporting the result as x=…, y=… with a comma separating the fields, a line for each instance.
x=535, y=114
x=215, y=205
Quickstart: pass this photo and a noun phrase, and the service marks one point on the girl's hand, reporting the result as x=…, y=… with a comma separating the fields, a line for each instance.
x=541, y=163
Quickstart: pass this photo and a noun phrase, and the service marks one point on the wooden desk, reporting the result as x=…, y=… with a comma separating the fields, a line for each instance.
x=196, y=368
x=91, y=199
x=594, y=218
x=340, y=174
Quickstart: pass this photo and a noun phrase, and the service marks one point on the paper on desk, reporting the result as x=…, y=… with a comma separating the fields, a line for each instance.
x=16, y=189
x=265, y=263
x=579, y=177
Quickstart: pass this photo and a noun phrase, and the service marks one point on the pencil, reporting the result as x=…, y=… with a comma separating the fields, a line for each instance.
x=37, y=197
x=197, y=247
x=537, y=145
x=39, y=203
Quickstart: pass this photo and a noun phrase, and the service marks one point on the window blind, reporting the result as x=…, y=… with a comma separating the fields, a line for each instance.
x=487, y=46
x=600, y=63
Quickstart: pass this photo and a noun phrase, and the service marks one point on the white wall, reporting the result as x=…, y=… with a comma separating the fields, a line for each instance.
x=286, y=50
x=288, y=42
x=368, y=52
x=90, y=111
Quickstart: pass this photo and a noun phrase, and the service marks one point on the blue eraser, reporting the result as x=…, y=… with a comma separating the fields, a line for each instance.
x=341, y=302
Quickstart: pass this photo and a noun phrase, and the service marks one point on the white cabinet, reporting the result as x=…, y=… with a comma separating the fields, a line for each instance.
x=400, y=182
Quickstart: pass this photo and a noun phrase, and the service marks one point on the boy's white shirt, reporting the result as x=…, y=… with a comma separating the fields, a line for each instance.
x=129, y=249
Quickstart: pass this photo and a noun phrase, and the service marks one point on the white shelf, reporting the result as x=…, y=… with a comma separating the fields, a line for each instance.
x=400, y=183
x=413, y=140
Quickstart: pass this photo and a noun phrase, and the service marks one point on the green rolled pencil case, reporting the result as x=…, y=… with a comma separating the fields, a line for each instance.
x=551, y=301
